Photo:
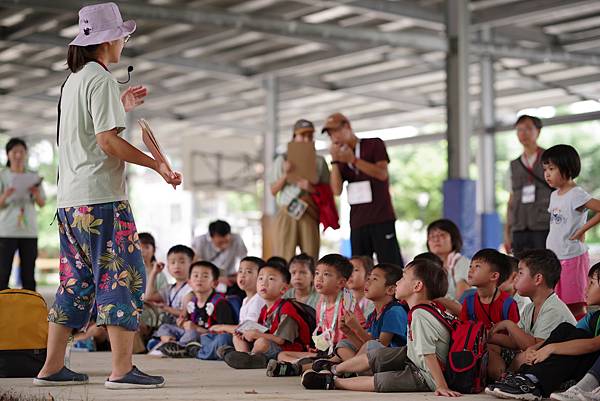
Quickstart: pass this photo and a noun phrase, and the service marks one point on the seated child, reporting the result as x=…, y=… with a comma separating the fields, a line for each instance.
x=489, y=304
x=222, y=334
x=170, y=299
x=385, y=326
x=335, y=301
x=414, y=368
x=539, y=271
x=356, y=283
x=203, y=308
x=285, y=327
x=302, y=270
x=509, y=285
x=565, y=356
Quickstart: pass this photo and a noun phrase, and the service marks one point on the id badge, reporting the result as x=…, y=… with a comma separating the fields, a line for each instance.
x=528, y=194
x=360, y=192
x=296, y=208
x=322, y=341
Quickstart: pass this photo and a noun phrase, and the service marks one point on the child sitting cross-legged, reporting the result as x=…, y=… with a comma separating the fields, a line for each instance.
x=539, y=271
x=363, y=265
x=203, y=308
x=283, y=327
x=509, y=285
x=302, y=271
x=568, y=354
x=335, y=302
x=385, y=326
x=414, y=368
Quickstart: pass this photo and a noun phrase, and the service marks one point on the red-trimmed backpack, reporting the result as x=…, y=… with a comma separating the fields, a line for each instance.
x=466, y=365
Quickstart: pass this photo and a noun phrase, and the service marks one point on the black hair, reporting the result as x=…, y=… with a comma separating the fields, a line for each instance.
x=595, y=272
x=209, y=265
x=186, y=250
x=536, y=121
x=285, y=273
x=341, y=264
x=393, y=272
x=219, y=227
x=366, y=261
x=304, y=259
x=79, y=56
x=544, y=262
x=449, y=227
x=430, y=256
x=148, y=239
x=498, y=262
x=514, y=263
x=565, y=158
x=11, y=144
x=434, y=279
x=277, y=260
x=255, y=260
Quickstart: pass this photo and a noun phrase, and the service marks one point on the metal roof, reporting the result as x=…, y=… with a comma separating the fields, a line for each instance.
x=380, y=62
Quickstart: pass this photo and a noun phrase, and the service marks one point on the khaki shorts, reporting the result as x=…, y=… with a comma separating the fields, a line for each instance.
x=394, y=372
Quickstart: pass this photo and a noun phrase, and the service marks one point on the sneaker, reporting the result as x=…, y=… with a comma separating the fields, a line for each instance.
x=572, y=394
x=281, y=369
x=312, y=380
x=224, y=350
x=135, y=379
x=64, y=377
x=322, y=365
x=245, y=360
x=192, y=349
x=506, y=377
x=518, y=387
x=173, y=350
x=593, y=395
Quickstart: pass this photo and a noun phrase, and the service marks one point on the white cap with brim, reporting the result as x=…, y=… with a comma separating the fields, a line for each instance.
x=101, y=23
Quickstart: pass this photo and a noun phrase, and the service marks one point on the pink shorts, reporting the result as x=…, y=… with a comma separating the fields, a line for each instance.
x=573, y=279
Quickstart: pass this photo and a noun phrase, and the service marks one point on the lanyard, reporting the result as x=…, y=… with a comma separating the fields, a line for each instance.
x=171, y=299
x=488, y=314
x=357, y=155
x=335, y=315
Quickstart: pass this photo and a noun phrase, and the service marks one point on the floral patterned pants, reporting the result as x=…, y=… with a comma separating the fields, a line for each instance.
x=100, y=265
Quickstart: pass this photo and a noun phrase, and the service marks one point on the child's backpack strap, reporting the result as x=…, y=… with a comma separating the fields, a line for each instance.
x=506, y=308
x=470, y=302
x=436, y=312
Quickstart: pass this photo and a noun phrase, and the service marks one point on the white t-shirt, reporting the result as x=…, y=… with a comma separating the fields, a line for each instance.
x=565, y=220
x=427, y=336
x=251, y=308
x=522, y=302
x=553, y=312
x=90, y=104
x=173, y=297
x=457, y=272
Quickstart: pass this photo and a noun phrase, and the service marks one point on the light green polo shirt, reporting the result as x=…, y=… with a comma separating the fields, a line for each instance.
x=90, y=105
x=18, y=217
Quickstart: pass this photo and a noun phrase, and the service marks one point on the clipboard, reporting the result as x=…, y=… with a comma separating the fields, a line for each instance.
x=303, y=157
x=152, y=144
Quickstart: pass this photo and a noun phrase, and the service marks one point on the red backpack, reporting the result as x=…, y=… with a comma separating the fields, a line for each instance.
x=466, y=365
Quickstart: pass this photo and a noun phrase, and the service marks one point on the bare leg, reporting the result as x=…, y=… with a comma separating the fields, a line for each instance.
x=293, y=356
x=496, y=365
x=260, y=346
x=58, y=335
x=121, y=344
x=240, y=344
x=359, y=363
x=163, y=339
x=361, y=383
x=345, y=353
x=517, y=362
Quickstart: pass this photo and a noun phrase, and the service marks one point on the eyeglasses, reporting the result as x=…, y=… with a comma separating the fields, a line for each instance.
x=126, y=38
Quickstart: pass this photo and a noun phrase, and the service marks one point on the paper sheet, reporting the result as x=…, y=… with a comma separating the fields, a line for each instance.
x=153, y=145
x=22, y=182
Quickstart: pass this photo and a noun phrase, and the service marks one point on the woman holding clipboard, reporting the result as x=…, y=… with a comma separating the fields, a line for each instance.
x=18, y=219
x=100, y=259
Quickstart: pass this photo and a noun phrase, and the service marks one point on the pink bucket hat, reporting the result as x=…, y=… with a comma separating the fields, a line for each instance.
x=101, y=23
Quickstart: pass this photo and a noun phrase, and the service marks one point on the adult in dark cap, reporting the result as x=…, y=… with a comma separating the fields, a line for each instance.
x=294, y=227
x=363, y=163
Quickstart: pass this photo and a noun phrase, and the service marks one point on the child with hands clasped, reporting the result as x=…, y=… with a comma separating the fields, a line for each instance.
x=569, y=205
x=414, y=368
x=203, y=308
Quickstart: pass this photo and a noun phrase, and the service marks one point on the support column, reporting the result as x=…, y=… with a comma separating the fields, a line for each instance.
x=459, y=190
x=271, y=133
x=491, y=227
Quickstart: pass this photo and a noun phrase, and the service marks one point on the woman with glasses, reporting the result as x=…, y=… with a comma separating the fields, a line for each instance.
x=101, y=265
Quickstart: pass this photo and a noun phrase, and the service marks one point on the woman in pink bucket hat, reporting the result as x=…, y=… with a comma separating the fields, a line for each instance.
x=102, y=274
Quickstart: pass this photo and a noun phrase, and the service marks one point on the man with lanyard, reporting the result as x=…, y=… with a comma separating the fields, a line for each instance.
x=224, y=249
x=527, y=217
x=364, y=164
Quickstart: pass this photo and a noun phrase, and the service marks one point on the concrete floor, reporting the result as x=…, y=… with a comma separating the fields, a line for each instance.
x=189, y=379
